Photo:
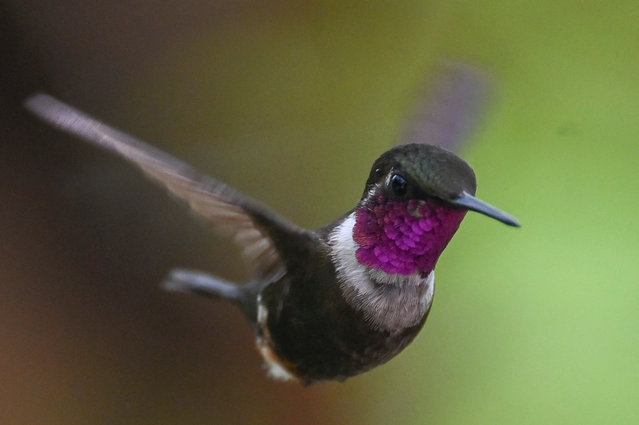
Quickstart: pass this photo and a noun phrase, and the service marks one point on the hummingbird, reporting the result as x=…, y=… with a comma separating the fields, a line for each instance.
x=324, y=304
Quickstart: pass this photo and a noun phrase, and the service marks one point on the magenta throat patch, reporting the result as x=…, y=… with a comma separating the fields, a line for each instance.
x=404, y=237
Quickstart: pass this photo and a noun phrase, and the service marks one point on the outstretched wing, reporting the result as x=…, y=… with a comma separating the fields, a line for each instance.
x=449, y=109
x=254, y=227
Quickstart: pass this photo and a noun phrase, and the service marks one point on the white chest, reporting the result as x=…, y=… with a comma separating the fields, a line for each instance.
x=389, y=302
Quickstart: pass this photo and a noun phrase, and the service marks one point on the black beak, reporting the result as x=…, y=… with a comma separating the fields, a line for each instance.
x=469, y=202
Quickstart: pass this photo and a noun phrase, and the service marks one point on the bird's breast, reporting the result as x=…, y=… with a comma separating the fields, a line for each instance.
x=389, y=302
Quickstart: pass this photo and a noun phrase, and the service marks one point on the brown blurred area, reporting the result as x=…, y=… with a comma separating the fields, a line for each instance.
x=86, y=334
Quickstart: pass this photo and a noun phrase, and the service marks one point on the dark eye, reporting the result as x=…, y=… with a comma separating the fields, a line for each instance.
x=398, y=184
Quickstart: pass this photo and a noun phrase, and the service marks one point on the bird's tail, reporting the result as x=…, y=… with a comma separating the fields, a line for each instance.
x=197, y=282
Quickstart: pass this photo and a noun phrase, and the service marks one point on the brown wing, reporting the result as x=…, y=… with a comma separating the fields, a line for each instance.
x=226, y=209
x=449, y=109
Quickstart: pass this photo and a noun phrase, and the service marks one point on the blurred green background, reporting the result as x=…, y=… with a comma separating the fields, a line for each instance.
x=291, y=102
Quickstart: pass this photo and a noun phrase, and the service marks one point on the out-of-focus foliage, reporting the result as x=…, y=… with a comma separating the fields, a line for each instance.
x=291, y=104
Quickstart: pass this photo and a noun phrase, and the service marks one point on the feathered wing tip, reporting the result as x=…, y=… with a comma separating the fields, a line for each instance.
x=449, y=108
x=227, y=210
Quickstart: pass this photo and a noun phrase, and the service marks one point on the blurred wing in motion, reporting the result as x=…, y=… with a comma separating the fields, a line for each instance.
x=449, y=109
x=251, y=224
